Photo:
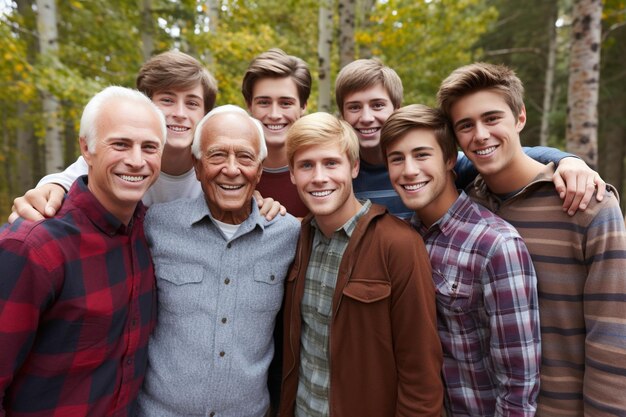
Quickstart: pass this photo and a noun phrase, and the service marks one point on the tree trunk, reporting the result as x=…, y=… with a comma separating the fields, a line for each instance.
x=367, y=7
x=25, y=135
x=147, y=29
x=347, y=23
x=48, y=48
x=584, y=78
x=548, y=88
x=325, y=25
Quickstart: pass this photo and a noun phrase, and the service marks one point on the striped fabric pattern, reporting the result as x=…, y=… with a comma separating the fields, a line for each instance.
x=581, y=274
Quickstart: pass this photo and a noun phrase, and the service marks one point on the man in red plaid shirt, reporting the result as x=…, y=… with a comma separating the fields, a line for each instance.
x=77, y=295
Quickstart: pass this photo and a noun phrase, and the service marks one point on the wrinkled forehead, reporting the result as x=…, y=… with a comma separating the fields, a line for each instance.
x=227, y=127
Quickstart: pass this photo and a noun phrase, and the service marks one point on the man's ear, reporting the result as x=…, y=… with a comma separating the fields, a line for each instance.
x=303, y=110
x=521, y=120
x=196, y=166
x=84, y=150
x=355, y=168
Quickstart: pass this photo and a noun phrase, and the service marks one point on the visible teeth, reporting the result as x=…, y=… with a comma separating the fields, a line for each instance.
x=413, y=187
x=178, y=128
x=486, y=151
x=321, y=193
x=231, y=187
x=132, y=178
x=368, y=131
x=276, y=127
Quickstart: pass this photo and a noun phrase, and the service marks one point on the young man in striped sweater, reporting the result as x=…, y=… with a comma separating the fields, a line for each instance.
x=580, y=260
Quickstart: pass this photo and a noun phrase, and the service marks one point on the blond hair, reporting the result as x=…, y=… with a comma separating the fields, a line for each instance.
x=321, y=129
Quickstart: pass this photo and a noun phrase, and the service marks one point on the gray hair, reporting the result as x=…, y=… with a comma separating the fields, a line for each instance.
x=227, y=108
x=93, y=109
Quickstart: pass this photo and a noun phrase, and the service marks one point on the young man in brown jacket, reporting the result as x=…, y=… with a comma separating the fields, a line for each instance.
x=360, y=322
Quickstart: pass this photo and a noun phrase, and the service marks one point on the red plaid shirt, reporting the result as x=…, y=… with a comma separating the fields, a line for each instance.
x=77, y=305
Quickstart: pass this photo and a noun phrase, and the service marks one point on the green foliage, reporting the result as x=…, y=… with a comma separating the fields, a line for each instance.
x=425, y=40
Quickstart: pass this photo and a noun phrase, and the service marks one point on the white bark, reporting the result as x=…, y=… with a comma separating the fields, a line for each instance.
x=323, y=54
x=584, y=81
x=48, y=48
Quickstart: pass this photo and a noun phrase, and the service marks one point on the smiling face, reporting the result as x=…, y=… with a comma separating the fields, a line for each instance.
x=366, y=111
x=323, y=176
x=276, y=104
x=420, y=175
x=487, y=132
x=183, y=109
x=126, y=158
x=229, y=168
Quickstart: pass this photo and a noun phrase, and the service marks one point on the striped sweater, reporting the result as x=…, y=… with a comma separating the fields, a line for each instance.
x=581, y=278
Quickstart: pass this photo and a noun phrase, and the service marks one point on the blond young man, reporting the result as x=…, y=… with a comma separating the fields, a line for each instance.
x=360, y=332
x=367, y=92
x=580, y=260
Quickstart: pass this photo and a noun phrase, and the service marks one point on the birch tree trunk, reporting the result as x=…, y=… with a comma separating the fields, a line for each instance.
x=25, y=135
x=584, y=80
x=548, y=88
x=347, y=23
x=325, y=24
x=48, y=48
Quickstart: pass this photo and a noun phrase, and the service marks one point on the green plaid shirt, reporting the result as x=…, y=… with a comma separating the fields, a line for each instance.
x=319, y=288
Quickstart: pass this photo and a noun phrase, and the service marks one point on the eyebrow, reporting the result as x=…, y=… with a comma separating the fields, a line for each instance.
x=417, y=149
x=279, y=98
x=485, y=114
x=171, y=93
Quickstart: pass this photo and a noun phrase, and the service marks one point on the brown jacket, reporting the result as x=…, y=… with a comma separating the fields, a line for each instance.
x=385, y=354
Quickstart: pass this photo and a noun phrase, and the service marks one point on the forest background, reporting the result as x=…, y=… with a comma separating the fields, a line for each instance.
x=54, y=55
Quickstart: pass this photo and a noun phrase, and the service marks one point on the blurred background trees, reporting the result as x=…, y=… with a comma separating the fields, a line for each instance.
x=55, y=54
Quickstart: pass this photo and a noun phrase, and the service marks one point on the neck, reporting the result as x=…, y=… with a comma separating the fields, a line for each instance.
x=176, y=161
x=517, y=174
x=373, y=156
x=329, y=223
x=123, y=214
x=276, y=157
x=437, y=208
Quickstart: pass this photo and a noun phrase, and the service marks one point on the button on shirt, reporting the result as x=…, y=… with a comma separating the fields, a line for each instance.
x=317, y=301
x=487, y=311
x=218, y=300
x=77, y=304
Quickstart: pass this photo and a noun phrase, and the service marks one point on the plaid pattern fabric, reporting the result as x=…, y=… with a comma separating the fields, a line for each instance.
x=319, y=288
x=77, y=304
x=487, y=309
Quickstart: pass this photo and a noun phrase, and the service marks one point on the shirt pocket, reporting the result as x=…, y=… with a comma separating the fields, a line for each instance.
x=367, y=291
x=180, y=288
x=268, y=287
x=454, y=288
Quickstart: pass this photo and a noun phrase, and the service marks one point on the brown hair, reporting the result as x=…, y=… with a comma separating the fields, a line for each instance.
x=418, y=116
x=481, y=76
x=176, y=70
x=275, y=63
x=321, y=129
x=366, y=73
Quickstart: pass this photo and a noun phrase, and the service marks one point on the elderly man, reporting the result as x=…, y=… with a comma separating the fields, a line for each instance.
x=77, y=294
x=220, y=269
